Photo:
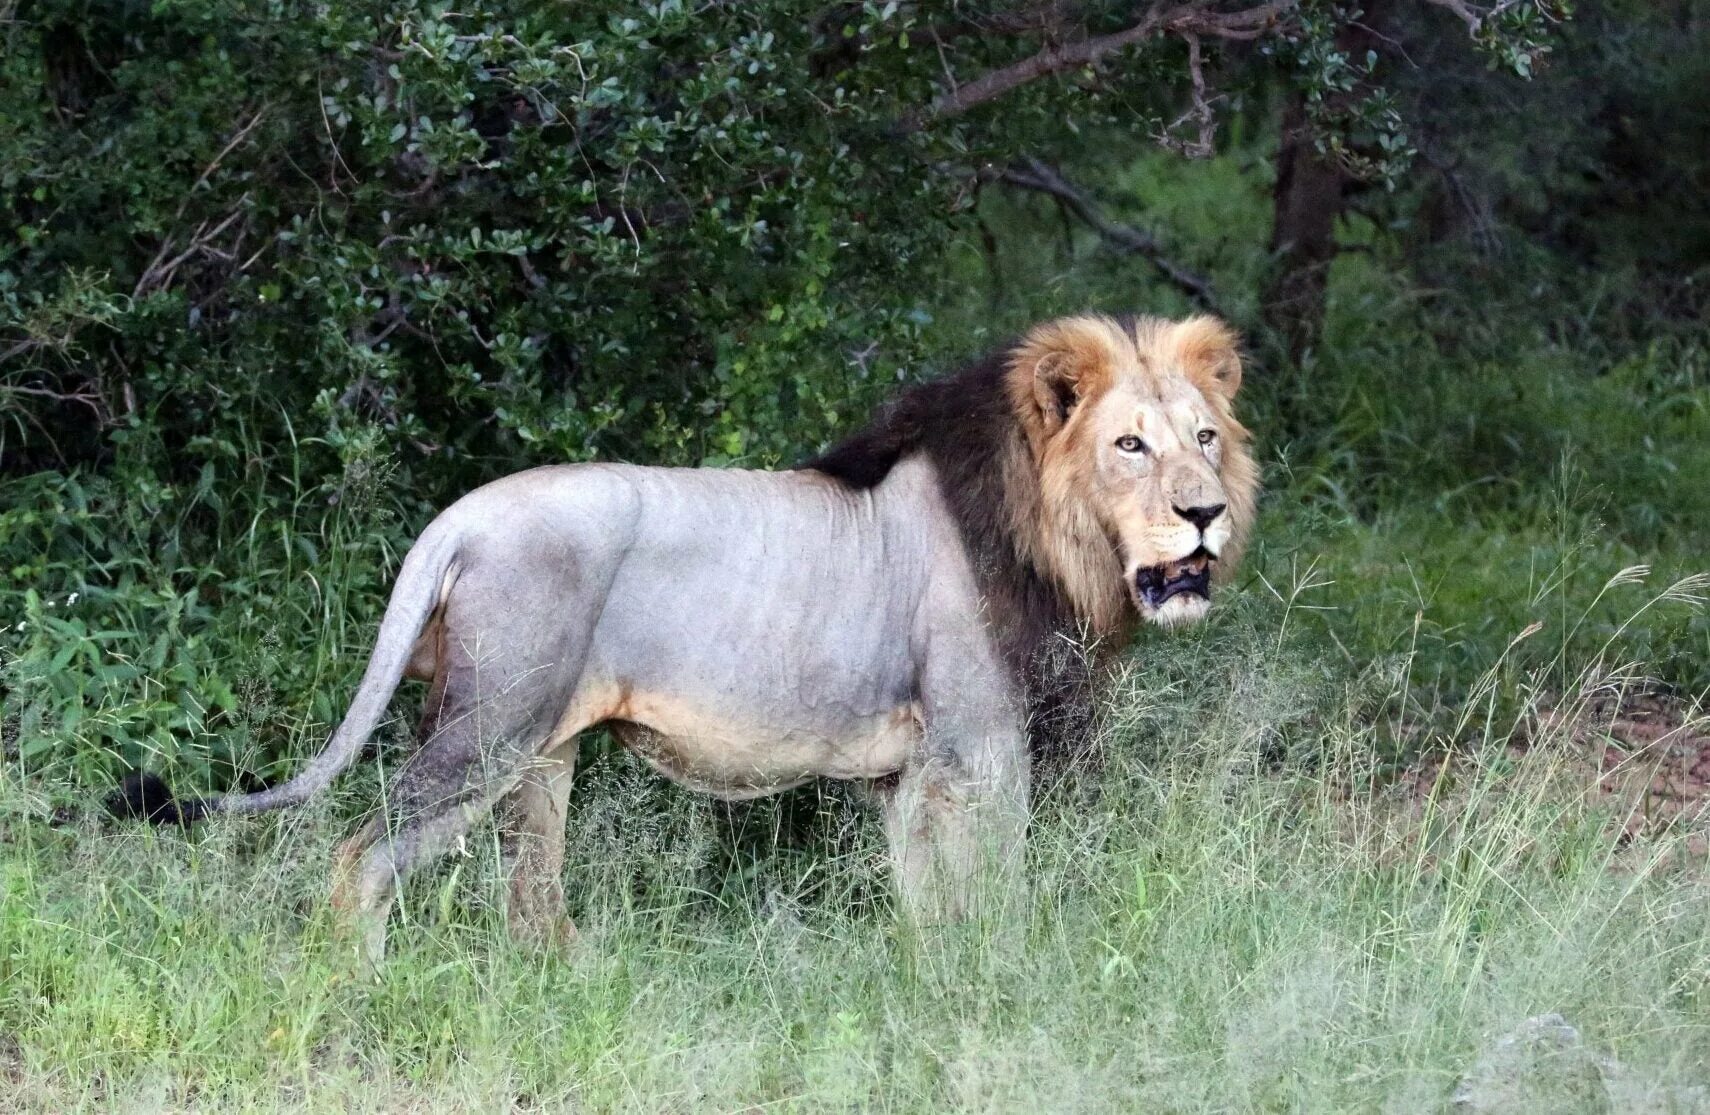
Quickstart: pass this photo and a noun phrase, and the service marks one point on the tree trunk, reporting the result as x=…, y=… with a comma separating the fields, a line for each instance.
x=1305, y=204
x=1309, y=195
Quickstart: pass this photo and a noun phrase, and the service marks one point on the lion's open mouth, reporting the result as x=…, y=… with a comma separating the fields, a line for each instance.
x=1157, y=584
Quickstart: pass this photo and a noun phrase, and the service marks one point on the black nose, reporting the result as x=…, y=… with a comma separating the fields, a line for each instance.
x=1201, y=517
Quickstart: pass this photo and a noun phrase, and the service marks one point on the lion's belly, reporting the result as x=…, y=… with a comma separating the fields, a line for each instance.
x=694, y=745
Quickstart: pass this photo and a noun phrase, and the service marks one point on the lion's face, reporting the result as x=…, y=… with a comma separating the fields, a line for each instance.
x=1136, y=427
x=1154, y=450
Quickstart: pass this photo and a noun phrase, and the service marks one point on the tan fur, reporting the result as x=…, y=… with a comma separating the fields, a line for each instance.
x=705, y=750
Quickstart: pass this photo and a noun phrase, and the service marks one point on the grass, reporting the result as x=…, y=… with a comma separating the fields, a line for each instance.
x=1221, y=919
x=1252, y=905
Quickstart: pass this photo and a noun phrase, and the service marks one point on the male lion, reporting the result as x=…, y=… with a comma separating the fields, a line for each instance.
x=889, y=613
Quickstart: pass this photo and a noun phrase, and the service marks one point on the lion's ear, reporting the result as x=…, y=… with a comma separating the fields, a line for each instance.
x=1056, y=388
x=1210, y=354
x=1056, y=367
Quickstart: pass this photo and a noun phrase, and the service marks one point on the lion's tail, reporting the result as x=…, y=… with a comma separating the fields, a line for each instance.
x=419, y=590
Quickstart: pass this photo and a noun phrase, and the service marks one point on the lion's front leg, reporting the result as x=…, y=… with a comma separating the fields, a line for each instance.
x=957, y=818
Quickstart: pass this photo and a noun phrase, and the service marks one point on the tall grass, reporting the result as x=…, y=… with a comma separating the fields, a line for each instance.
x=1232, y=906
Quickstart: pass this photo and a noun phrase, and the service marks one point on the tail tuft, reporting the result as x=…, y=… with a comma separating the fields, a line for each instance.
x=146, y=797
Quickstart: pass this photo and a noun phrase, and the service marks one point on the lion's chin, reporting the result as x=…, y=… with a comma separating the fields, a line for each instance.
x=1177, y=611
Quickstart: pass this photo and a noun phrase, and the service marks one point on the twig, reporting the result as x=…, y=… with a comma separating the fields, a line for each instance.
x=89, y=399
x=1467, y=15
x=1199, y=110
x=158, y=274
x=160, y=269
x=1189, y=20
x=1400, y=48
x=1475, y=20
x=207, y=171
x=332, y=142
x=18, y=348
x=529, y=274
x=1032, y=174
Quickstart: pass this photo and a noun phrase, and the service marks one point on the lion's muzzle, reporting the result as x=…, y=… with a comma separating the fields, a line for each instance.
x=1157, y=584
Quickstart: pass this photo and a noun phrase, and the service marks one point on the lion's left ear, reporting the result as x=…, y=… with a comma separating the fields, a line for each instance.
x=1058, y=365
x=1210, y=354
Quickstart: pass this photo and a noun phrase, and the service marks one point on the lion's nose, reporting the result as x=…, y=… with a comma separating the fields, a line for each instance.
x=1201, y=517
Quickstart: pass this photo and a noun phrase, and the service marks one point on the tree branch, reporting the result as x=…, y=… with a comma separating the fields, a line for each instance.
x=1032, y=174
x=1192, y=18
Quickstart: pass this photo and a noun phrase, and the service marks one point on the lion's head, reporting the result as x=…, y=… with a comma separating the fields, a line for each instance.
x=1147, y=487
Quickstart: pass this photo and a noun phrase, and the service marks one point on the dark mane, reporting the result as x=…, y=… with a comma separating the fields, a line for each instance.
x=948, y=419
x=965, y=424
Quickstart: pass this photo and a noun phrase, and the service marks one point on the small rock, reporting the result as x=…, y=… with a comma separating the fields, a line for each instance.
x=1541, y=1066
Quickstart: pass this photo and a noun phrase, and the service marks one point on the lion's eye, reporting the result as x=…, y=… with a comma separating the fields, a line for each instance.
x=1206, y=437
x=1128, y=443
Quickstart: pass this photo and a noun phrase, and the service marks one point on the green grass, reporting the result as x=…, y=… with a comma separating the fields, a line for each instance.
x=1236, y=912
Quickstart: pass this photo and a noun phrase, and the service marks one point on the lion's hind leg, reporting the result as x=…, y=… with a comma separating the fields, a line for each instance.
x=513, y=638
x=435, y=802
x=478, y=747
x=531, y=833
